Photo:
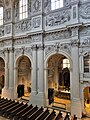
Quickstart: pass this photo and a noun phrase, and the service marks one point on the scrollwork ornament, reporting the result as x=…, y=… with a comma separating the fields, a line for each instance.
x=37, y=5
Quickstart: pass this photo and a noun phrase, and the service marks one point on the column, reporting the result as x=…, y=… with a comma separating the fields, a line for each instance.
x=75, y=84
x=6, y=70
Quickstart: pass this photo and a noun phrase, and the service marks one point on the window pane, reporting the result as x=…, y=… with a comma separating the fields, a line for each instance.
x=61, y=3
x=24, y=15
x=53, y=6
x=1, y=15
x=20, y=9
x=57, y=4
x=23, y=9
x=20, y=16
x=21, y=3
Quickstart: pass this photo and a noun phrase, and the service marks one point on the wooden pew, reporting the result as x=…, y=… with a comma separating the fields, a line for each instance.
x=20, y=113
x=2, y=110
x=27, y=114
x=14, y=112
x=6, y=103
x=59, y=116
x=3, y=101
x=35, y=114
x=8, y=111
x=43, y=115
x=51, y=116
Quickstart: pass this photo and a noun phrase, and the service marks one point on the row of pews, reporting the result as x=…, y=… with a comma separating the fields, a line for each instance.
x=15, y=110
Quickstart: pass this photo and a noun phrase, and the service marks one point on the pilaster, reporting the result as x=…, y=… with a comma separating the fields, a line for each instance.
x=34, y=88
x=76, y=107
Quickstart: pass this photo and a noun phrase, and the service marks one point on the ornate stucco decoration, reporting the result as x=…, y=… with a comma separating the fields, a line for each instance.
x=1, y=44
x=2, y=54
x=1, y=31
x=22, y=26
x=36, y=22
x=36, y=6
x=58, y=18
x=75, y=42
x=23, y=41
x=57, y=47
x=86, y=42
x=85, y=11
x=57, y=35
x=23, y=51
x=7, y=29
x=85, y=31
x=36, y=38
x=7, y=15
x=8, y=43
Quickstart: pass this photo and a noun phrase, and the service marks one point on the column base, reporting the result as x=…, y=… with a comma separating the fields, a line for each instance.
x=76, y=108
x=9, y=93
x=38, y=99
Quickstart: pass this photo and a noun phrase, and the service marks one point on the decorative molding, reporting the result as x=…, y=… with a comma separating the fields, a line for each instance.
x=84, y=11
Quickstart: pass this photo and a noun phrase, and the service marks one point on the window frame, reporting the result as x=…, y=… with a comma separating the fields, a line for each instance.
x=23, y=9
x=57, y=4
x=1, y=16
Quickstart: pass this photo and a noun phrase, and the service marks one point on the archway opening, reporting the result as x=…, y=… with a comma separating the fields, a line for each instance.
x=2, y=74
x=24, y=77
x=87, y=100
x=59, y=81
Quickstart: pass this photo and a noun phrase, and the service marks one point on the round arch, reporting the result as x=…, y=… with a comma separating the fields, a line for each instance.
x=20, y=75
x=63, y=53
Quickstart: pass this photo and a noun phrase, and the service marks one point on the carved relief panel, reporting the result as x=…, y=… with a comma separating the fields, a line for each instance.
x=35, y=6
x=58, y=18
x=22, y=26
x=85, y=36
x=36, y=22
x=84, y=12
x=57, y=36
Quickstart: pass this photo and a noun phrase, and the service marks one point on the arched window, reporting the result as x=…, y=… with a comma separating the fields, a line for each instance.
x=87, y=63
x=23, y=9
x=55, y=4
x=1, y=15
